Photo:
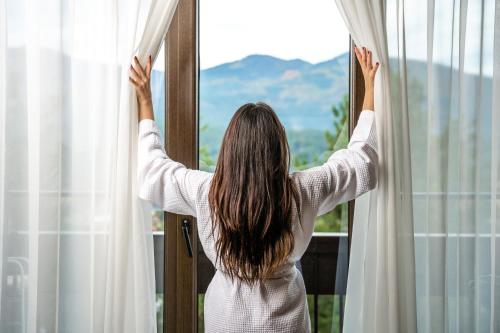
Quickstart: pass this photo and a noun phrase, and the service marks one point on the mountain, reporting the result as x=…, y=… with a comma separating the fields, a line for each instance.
x=301, y=93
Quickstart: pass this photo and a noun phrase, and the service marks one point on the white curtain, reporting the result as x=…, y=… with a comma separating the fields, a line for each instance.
x=75, y=241
x=381, y=281
x=443, y=62
x=451, y=55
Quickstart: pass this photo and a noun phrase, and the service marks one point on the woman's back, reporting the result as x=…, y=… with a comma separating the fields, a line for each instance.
x=254, y=219
x=278, y=303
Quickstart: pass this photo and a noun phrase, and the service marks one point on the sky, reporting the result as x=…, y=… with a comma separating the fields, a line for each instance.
x=314, y=31
x=232, y=29
x=311, y=30
x=478, y=21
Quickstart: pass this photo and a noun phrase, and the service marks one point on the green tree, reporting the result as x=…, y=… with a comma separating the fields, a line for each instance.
x=207, y=162
x=337, y=138
x=340, y=113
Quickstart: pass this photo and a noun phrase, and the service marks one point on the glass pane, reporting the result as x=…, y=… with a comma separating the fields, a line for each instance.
x=158, y=94
x=296, y=62
x=330, y=312
x=201, y=301
x=301, y=70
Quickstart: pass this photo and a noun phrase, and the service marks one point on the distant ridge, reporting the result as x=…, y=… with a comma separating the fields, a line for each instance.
x=258, y=59
x=292, y=87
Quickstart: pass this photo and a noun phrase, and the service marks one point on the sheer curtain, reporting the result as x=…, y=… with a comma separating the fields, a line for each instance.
x=381, y=283
x=75, y=241
x=443, y=61
x=451, y=56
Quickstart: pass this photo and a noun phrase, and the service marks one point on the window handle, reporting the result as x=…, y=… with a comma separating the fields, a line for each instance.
x=187, y=238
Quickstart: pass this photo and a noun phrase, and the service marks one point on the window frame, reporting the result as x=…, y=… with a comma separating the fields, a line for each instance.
x=180, y=271
x=181, y=143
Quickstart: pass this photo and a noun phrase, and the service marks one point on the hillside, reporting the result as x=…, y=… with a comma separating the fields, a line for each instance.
x=301, y=93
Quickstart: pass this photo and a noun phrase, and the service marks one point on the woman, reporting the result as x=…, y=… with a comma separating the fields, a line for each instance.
x=255, y=219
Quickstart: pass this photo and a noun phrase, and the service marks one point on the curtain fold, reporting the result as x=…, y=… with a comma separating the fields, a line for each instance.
x=133, y=311
x=75, y=241
x=3, y=90
x=381, y=283
x=495, y=180
x=454, y=147
x=442, y=70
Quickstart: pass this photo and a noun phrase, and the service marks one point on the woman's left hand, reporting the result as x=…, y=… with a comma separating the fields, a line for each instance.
x=140, y=78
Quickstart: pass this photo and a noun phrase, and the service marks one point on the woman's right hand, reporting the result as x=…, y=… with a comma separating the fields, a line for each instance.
x=140, y=77
x=369, y=70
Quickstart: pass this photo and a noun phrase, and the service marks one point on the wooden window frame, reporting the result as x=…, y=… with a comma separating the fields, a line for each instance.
x=181, y=136
x=181, y=272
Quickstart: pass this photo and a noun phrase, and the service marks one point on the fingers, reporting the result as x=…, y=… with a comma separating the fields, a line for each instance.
x=139, y=70
x=133, y=74
x=362, y=55
x=358, y=54
x=134, y=82
x=365, y=58
x=375, y=68
x=148, y=67
x=139, y=77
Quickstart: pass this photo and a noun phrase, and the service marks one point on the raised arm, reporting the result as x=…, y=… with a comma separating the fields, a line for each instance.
x=350, y=172
x=166, y=183
x=347, y=174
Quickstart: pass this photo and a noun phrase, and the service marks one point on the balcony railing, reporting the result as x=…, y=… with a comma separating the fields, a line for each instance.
x=323, y=266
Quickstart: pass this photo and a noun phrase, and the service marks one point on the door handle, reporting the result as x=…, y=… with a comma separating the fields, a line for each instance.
x=187, y=238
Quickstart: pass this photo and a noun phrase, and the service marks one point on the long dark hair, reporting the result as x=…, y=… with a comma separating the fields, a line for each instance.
x=252, y=196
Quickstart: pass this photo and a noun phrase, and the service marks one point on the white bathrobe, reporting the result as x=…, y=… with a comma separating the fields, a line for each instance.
x=273, y=305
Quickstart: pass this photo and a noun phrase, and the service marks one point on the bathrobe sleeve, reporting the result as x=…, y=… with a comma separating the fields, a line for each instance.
x=347, y=174
x=163, y=181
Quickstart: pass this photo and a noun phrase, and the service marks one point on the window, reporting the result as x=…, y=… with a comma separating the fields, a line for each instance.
x=158, y=216
x=305, y=79
x=314, y=88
